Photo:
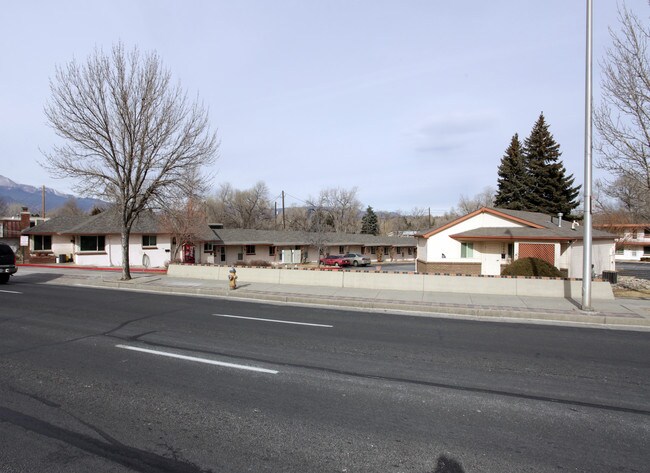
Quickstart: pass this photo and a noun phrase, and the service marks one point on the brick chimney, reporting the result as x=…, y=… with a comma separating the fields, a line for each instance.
x=24, y=218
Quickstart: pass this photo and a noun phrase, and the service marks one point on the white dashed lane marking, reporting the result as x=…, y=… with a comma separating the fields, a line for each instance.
x=198, y=360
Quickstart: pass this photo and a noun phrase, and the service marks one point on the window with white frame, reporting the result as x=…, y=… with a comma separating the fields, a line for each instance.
x=467, y=250
x=92, y=242
x=149, y=241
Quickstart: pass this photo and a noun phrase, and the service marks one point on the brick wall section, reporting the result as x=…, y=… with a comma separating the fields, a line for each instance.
x=24, y=218
x=12, y=229
x=41, y=259
x=473, y=269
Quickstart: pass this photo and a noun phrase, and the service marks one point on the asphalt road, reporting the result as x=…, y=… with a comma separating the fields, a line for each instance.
x=349, y=392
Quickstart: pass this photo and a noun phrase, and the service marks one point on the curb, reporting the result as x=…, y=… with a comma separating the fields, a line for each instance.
x=92, y=268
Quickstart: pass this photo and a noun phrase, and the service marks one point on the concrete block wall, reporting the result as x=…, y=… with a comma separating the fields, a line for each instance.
x=310, y=277
x=540, y=287
x=470, y=284
x=381, y=280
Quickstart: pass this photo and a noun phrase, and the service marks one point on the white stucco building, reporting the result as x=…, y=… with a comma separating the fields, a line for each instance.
x=96, y=241
x=484, y=241
x=632, y=242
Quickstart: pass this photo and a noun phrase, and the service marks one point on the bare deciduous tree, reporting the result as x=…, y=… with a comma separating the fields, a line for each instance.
x=394, y=223
x=249, y=208
x=485, y=198
x=4, y=208
x=14, y=209
x=186, y=222
x=623, y=117
x=337, y=210
x=70, y=208
x=130, y=134
x=297, y=218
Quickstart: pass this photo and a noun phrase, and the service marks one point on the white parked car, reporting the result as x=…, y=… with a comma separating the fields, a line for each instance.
x=356, y=259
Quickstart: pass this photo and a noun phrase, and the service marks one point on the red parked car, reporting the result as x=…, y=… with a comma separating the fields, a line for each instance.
x=335, y=260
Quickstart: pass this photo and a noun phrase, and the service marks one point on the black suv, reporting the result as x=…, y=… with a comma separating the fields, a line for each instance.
x=7, y=263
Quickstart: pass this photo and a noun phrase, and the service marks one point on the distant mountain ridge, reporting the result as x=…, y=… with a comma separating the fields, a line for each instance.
x=31, y=197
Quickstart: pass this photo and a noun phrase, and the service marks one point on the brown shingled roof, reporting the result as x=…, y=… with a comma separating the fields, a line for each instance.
x=108, y=222
x=536, y=225
x=104, y=223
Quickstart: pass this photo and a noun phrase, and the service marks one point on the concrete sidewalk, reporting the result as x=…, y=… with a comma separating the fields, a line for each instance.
x=627, y=313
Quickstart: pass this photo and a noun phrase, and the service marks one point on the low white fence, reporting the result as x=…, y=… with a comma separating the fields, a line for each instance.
x=399, y=281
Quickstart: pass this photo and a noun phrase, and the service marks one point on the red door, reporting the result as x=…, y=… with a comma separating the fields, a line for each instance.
x=188, y=254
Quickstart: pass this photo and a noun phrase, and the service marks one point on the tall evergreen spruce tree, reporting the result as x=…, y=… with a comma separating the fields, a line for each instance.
x=369, y=222
x=514, y=182
x=551, y=189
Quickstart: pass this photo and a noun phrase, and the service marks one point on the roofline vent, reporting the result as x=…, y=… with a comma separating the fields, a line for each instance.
x=559, y=219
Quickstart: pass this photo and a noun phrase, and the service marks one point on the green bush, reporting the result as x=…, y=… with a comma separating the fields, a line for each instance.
x=531, y=267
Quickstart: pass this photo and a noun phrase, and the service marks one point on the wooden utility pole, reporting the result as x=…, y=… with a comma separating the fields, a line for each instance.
x=284, y=223
x=43, y=202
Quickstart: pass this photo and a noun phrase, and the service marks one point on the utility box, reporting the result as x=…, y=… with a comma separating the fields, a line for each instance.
x=610, y=276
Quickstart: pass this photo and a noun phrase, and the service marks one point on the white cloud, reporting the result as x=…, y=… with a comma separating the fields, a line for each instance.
x=452, y=131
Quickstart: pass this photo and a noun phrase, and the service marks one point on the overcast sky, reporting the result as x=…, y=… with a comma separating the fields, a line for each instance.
x=412, y=102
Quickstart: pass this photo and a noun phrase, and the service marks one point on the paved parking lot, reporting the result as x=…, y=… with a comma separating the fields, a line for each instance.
x=638, y=270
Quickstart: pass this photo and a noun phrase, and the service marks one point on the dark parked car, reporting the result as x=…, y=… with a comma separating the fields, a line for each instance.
x=335, y=260
x=7, y=263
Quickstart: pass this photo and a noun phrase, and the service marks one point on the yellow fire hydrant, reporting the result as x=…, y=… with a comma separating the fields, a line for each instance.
x=232, y=278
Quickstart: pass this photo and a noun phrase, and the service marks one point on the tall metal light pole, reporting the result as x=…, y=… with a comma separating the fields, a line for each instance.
x=586, y=260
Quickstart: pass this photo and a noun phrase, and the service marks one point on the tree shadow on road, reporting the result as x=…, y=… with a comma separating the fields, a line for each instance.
x=448, y=465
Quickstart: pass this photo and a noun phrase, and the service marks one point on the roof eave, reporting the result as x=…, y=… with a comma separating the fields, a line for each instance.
x=474, y=214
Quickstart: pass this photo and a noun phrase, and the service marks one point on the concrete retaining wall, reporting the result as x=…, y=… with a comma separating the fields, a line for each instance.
x=399, y=281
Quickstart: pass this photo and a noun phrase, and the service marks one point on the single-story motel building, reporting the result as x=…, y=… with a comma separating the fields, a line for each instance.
x=96, y=241
x=479, y=243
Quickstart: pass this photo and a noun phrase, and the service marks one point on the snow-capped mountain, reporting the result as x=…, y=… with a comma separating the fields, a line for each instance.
x=30, y=196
